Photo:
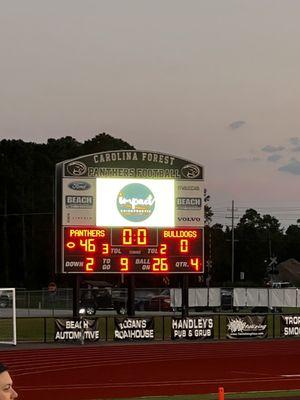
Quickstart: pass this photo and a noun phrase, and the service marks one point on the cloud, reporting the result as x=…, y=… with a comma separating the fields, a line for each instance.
x=236, y=124
x=294, y=141
x=296, y=148
x=274, y=157
x=248, y=159
x=293, y=167
x=272, y=149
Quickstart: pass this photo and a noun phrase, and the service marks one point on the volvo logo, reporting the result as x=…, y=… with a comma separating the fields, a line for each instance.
x=76, y=168
x=79, y=185
x=191, y=171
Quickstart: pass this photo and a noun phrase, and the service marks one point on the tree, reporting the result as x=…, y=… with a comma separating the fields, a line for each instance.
x=27, y=231
x=104, y=142
x=291, y=248
x=208, y=214
x=219, y=253
x=255, y=235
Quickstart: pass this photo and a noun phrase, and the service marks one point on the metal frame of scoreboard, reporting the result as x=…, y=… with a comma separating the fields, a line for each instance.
x=129, y=211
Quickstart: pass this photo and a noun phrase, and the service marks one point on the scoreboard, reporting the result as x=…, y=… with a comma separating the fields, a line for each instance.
x=129, y=212
x=128, y=250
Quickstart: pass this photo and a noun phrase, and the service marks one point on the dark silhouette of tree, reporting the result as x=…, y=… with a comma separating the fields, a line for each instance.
x=291, y=248
x=208, y=213
x=104, y=142
x=257, y=238
x=27, y=177
x=218, y=251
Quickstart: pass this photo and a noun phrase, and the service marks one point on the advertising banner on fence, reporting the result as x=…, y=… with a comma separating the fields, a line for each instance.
x=290, y=325
x=134, y=329
x=192, y=328
x=72, y=329
x=246, y=326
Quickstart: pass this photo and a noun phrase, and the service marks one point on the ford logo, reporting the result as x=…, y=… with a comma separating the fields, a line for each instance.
x=76, y=168
x=191, y=171
x=79, y=185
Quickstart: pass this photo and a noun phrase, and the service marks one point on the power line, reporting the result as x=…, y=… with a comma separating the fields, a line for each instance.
x=286, y=215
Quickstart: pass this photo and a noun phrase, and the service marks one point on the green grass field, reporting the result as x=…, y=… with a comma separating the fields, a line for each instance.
x=41, y=329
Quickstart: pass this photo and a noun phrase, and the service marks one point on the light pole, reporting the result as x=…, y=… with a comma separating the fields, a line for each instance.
x=232, y=241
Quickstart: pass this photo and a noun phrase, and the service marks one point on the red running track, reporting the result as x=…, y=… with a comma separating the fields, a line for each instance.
x=128, y=370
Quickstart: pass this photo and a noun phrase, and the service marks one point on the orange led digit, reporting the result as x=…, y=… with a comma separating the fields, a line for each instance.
x=142, y=236
x=70, y=245
x=184, y=246
x=196, y=263
x=127, y=236
x=164, y=265
x=163, y=249
x=88, y=245
x=89, y=265
x=160, y=265
x=124, y=262
x=155, y=265
x=105, y=248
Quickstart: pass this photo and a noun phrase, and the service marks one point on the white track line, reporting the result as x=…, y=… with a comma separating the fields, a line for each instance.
x=148, y=384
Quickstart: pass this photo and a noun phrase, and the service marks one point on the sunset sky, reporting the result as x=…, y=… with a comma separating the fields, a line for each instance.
x=213, y=81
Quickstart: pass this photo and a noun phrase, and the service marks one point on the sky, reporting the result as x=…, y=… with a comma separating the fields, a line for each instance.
x=214, y=81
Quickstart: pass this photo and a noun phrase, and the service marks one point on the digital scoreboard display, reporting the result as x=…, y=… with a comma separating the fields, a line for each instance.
x=129, y=211
x=133, y=250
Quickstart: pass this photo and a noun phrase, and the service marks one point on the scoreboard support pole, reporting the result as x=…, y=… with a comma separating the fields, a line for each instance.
x=76, y=295
x=185, y=295
x=130, y=298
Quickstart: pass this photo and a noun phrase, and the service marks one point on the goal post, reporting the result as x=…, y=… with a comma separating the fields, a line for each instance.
x=8, y=318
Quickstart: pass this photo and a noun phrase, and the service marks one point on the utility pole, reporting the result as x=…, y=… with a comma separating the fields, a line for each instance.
x=5, y=276
x=232, y=239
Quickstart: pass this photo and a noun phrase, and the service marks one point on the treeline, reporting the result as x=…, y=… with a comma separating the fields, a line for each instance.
x=27, y=229
x=257, y=240
x=27, y=176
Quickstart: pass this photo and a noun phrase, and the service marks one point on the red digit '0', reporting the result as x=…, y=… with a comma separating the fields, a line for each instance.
x=184, y=246
x=127, y=236
x=142, y=236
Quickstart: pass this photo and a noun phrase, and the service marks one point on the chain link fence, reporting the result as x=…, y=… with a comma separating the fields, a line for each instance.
x=109, y=301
